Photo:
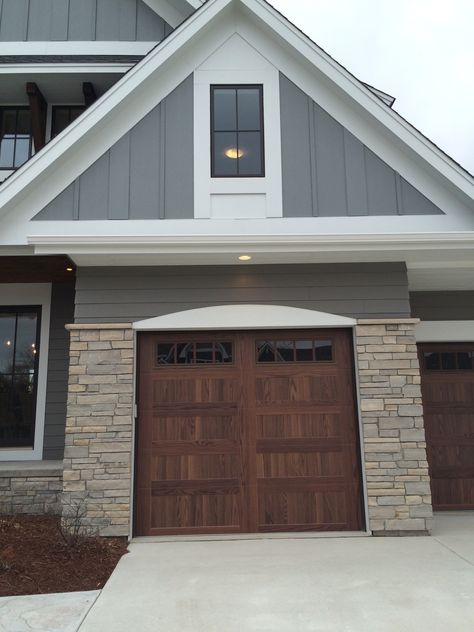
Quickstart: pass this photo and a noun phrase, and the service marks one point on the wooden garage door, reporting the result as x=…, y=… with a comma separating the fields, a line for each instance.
x=247, y=432
x=448, y=399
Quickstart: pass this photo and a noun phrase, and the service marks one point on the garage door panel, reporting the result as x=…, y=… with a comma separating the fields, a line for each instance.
x=299, y=425
x=298, y=464
x=189, y=390
x=452, y=456
x=301, y=510
x=445, y=426
x=453, y=493
x=194, y=428
x=310, y=389
x=195, y=467
x=211, y=510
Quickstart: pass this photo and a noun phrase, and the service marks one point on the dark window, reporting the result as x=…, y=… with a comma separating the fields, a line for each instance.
x=64, y=115
x=294, y=351
x=194, y=353
x=16, y=143
x=19, y=352
x=449, y=360
x=237, y=131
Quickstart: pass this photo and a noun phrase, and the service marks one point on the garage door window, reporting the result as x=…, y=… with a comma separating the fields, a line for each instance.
x=192, y=353
x=449, y=360
x=294, y=351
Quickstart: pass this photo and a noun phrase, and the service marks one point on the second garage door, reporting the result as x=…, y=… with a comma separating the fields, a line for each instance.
x=247, y=432
x=447, y=381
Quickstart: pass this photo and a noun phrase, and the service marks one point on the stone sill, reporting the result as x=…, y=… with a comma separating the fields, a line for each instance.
x=10, y=469
x=388, y=321
x=79, y=326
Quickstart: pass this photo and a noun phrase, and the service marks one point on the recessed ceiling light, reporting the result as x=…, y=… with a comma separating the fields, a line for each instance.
x=245, y=258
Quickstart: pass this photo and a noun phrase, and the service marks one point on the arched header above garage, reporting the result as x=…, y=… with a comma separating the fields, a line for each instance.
x=243, y=317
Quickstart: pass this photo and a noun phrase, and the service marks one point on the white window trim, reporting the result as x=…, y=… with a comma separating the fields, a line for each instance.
x=269, y=186
x=12, y=294
x=445, y=331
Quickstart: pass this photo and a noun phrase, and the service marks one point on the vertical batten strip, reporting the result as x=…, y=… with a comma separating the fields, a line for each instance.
x=313, y=160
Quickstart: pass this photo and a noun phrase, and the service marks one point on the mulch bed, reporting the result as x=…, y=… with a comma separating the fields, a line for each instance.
x=35, y=559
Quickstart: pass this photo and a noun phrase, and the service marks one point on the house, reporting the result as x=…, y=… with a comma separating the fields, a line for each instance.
x=236, y=287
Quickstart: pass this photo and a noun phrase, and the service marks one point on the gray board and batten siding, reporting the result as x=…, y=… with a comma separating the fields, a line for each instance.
x=107, y=294
x=62, y=313
x=147, y=174
x=80, y=20
x=328, y=172
x=455, y=305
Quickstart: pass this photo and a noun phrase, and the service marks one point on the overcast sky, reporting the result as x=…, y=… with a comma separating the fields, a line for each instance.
x=419, y=51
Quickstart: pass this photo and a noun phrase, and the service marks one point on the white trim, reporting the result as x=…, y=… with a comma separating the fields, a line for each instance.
x=39, y=49
x=237, y=198
x=243, y=317
x=53, y=244
x=445, y=331
x=32, y=294
x=65, y=68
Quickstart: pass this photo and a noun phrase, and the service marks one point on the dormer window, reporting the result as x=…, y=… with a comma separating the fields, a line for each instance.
x=237, y=131
x=16, y=142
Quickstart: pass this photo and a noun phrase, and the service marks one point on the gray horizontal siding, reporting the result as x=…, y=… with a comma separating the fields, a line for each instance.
x=129, y=294
x=328, y=172
x=80, y=20
x=62, y=313
x=442, y=305
x=147, y=174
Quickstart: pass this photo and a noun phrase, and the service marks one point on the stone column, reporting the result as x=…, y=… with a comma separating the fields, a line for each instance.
x=396, y=468
x=99, y=447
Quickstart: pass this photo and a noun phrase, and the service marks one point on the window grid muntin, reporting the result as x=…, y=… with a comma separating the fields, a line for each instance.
x=440, y=360
x=16, y=136
x=316, y=356
x=16, y=311
x=237, y=131
x=177, y=348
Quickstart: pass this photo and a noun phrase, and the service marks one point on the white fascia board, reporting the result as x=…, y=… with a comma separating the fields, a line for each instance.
x=362, y=95
x=445, y=331
x=66, y=68
x=53, y=244
x=40, y=49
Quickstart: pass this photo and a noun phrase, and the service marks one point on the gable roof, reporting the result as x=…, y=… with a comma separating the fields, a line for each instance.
x=64, y=158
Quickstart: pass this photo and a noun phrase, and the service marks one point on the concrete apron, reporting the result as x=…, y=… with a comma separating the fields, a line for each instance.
x=295, y=585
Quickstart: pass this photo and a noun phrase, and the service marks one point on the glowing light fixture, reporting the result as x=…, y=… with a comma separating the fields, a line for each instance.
x=8, y=343
x=69, y=269
x=245, y=258
x=234, y=153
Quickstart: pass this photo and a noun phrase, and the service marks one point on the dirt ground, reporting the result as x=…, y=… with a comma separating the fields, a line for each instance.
x=35, y=558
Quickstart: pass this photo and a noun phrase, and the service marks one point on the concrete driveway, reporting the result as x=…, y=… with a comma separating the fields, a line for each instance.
x=295, y=585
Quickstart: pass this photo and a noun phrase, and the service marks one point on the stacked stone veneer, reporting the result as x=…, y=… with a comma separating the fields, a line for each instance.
x=98, y=452
x=396, y=469
x=31, y=490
